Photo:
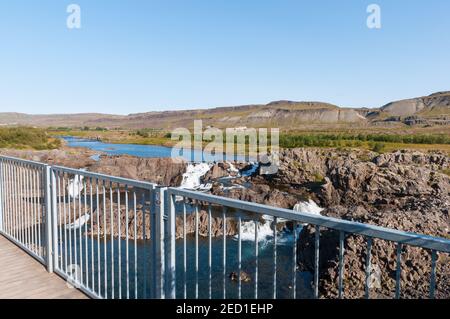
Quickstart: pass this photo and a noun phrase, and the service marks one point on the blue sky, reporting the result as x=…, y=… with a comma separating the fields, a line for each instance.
x=144, y=55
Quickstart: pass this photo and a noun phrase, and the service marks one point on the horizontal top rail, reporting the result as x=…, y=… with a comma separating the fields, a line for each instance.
x=114, y=179
x=23, y=161
x=425, y=241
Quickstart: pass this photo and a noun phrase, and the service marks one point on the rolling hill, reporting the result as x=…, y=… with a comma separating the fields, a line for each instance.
x=429, y=110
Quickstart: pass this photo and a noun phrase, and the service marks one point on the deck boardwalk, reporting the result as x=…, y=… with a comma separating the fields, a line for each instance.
x=23, y=277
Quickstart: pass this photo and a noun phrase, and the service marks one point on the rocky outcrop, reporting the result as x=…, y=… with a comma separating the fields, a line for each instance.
x=402, y=190
x=162, y=171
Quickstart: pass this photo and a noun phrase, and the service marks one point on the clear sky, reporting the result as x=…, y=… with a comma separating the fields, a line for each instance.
x=142, y=55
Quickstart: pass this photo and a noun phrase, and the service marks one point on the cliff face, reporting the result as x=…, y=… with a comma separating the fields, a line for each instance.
x=428, y=107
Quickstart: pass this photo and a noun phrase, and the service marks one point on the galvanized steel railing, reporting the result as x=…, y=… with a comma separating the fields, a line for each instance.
x=226, y=208
x=23, y=206
x=119, y=238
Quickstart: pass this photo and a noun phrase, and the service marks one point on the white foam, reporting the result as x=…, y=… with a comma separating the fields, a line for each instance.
x=75, y=186
x=232, y=168
x=80, y=222
x=193, y=175
x=265, y=230
x=309, y=207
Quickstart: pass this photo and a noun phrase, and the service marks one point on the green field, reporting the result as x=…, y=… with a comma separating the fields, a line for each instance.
x=27, y=138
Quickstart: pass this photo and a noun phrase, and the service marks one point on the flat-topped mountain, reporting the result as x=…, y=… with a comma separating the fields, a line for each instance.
x=428, y=110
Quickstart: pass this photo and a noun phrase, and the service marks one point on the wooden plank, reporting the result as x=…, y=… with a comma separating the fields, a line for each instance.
x=21, y=276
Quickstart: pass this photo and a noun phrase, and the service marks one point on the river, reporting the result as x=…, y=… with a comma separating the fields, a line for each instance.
x=265, y=260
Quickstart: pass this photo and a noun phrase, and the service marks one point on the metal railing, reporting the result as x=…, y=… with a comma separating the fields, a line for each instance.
x=119, y=238
x=23, y=206
x=226, y=208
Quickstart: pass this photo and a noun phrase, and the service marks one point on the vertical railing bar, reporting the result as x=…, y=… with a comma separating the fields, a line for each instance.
x=184, y=251
x=23, y=210
x=105, y=252
x=58, y=196
x=20, y=194
x=8, y=209
x=135, y=244
x=111, y=204
x=119, y=250
x=294, y=261
x=224, y=218
x=54, y=219
x=17, y=203
x=73, y=228
x=17, y=199
x=2, y=200
x=239, y=256
x=5, y=192
x=79, y=183
x=98, y=208
x=91, y=201
x=398, y=271
x=3, y=220
x=127, y=243
x=144, y=240
x=433, y=274
x=170, y=208
x=275, y=221
x=36, y=212
x=48, y=218
x=65, y=221
x=256, y=257
x=341, y=263
x=27, y=206
x=316, y=261
x=41, y=207
x=196, y=251
x=368, y=267
x=15, y=191
x=8, y=200
x=210, y=251
x=11, y=200
x=86, y=252
x=32, y=208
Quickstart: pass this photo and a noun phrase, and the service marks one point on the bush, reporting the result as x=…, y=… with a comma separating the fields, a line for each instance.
x=377, y=147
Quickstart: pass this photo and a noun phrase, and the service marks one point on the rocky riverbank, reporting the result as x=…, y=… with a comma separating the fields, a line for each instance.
x=406, y=190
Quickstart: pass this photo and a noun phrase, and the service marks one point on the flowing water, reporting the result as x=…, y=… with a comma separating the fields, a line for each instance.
x=285, y=261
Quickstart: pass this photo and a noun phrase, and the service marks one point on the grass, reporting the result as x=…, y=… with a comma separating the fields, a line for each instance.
x=446, y=171
x=27, y=138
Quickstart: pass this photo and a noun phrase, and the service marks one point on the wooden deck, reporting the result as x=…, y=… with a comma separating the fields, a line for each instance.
x=23, y=277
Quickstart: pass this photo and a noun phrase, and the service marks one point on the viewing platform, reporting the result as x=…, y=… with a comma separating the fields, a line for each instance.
x=23, y=277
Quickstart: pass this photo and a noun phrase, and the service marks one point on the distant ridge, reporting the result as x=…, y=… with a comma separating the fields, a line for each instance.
x=433, y=109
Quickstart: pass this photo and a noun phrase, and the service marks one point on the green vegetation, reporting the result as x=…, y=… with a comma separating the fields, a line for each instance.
x=357, y=140
x=377, y=147
x=27, y=138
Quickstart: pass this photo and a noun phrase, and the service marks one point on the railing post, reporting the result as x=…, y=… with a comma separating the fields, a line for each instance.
x=1, y=195
x=157, y=236
x=48, y=219
x=54, y=223
x=169, y=211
